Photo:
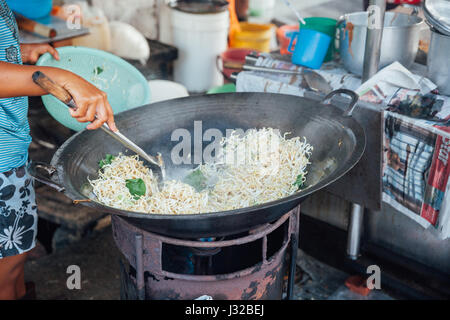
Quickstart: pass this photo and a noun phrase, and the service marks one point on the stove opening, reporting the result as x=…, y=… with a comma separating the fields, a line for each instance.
x=216, y=260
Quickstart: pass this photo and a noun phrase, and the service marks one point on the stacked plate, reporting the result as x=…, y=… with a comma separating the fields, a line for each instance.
x=437, y=13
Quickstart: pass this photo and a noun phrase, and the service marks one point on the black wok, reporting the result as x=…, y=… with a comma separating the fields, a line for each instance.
x=338, y=142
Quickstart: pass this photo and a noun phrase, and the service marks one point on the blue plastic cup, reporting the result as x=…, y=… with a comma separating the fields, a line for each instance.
x=311, y=47
x=32, y=9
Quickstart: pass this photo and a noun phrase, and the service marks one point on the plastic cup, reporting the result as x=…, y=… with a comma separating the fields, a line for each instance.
x=283, y=39
x=32, y=9
x=311, y=48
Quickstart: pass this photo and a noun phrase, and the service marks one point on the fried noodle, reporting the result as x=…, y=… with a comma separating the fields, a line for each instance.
x=257, y=167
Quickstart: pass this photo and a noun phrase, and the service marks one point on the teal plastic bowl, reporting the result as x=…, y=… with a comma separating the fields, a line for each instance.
x=125, y=86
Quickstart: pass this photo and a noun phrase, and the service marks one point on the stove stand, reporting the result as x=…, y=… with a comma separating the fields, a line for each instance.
x=246, y=266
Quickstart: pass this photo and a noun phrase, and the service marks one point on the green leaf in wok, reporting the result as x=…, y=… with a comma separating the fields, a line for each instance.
x=299, y=181
x=108, y=159
x=136, y=187
x=196, y=179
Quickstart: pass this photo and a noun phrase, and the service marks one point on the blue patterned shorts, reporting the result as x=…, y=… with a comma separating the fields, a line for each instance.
x=18, y=212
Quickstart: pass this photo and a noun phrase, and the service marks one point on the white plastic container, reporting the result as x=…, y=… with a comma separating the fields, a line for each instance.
x=261, y=11
x=99, y=36
x=200, y=38
x=162, y=90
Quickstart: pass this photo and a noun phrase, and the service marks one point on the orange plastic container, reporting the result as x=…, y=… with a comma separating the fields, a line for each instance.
x=283, y=40
x=252, y=36
x=234, y=22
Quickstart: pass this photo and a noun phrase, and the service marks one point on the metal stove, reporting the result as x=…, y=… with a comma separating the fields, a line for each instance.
x=245, y=266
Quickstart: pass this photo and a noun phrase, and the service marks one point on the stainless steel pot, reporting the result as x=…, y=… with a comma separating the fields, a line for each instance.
x=438, y=61
x=400, y=40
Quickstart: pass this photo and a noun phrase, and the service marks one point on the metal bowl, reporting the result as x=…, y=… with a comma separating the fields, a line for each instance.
x=437, y=14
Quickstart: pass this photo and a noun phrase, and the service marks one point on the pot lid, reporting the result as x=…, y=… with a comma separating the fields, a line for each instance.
x=199, y=6
x=437, y=13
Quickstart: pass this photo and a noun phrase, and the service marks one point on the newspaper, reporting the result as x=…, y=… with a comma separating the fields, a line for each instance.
x=333, y=72
x=416, y=146
x=416, y=174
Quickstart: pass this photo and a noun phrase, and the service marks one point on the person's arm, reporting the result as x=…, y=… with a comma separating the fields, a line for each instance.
x=16, y=81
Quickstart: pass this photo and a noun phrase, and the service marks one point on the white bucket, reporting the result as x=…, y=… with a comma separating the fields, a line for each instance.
x=200, y=38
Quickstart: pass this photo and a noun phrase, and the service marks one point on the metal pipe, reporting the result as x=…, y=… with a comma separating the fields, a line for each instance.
x=140, y=280
x=251, y=58
x=294, y=249
x=375, y=23
x=354, y=231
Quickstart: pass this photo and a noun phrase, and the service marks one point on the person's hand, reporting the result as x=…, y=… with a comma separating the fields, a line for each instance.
x=92, y=103
x=31, y=52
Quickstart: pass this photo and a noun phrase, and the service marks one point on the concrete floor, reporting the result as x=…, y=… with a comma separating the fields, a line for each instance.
x=97, y=257
x=98, y=260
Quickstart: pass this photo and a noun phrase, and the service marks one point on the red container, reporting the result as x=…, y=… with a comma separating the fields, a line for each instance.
x=232, y=60
x=283, y=39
